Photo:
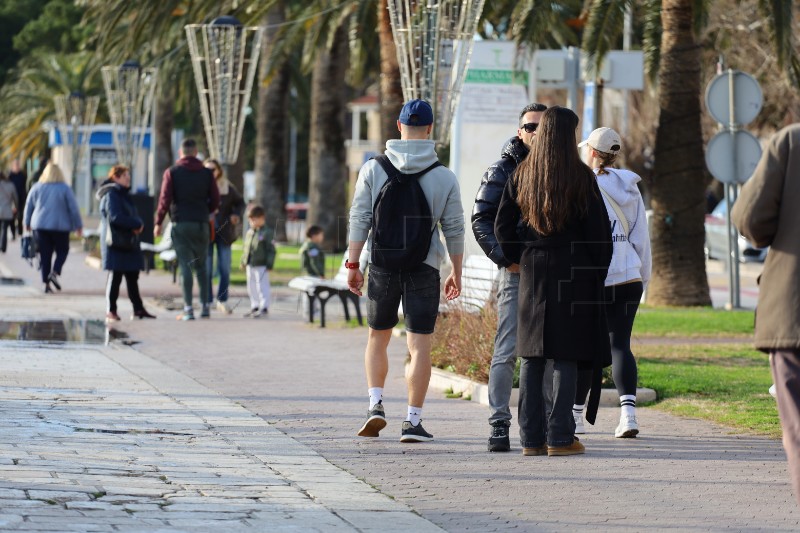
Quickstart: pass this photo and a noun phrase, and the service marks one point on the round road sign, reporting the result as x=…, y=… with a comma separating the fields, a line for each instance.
x=747, y=97
x=720, y=156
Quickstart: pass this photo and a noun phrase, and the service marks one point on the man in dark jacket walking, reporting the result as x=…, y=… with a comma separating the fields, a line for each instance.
x=190, y=194
x=501, y=372
x=18, y=178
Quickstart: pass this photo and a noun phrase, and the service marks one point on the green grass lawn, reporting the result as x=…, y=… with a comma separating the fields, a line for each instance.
x=723, y=383
x=692, y=322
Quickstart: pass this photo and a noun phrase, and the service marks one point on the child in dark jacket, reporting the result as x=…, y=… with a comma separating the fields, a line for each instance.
x=312, y=255
x=258, y=259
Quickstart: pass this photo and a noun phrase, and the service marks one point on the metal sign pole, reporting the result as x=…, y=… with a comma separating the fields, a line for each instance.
x=733, y=234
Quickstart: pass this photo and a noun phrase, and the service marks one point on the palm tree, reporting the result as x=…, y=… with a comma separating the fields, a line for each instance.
x=678, y=185
x=26, y=104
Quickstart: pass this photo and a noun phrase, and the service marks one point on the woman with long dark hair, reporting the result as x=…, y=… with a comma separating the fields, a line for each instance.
x=120, y=227
x=563, y=248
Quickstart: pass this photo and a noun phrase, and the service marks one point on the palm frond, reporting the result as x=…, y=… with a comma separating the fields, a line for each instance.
x=603, y=30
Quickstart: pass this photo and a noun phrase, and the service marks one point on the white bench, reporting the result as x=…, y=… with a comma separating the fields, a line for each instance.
x=164, y=250
x=325, y=289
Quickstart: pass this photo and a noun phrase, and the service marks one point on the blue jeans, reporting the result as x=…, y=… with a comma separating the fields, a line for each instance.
x=223, y=268
x=504, y=358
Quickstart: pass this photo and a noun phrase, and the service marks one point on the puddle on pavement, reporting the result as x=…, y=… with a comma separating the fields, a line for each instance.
x=11, y=281
x=60, y=331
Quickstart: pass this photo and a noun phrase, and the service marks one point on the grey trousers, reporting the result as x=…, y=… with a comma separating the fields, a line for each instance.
x=786, y=373
x=190, y=240
x=504, y=358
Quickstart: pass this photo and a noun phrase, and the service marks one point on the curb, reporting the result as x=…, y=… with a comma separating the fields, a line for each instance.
x=442, y=380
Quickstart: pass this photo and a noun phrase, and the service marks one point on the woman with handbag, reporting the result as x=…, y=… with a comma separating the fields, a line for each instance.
x=51, y=212
x=563, y=249
x=224, y=232
x=628, y=273
x=120, y=227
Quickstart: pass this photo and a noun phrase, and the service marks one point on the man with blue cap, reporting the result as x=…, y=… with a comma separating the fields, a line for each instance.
x=402, y=202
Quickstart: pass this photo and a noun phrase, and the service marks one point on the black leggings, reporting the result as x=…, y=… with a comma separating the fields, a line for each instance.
x=112, y=289
x=50, y=242
x=622, y=302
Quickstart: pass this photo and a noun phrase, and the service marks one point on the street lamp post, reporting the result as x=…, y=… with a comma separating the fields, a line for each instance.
x=224, y=58
x=434, y=43
x=76, y=112
x=129, y=94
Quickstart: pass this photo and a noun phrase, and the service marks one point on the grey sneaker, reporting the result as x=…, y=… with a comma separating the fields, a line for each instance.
x=376, y=421
x=499, y=440
x=412, y=433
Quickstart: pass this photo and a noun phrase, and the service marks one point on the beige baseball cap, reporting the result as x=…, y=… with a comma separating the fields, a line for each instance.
x=603, y=140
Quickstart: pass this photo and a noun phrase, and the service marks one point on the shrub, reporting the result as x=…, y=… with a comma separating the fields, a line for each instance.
x=464, y=341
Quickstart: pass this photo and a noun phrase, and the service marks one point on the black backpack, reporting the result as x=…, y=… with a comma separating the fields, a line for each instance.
x=402, y=224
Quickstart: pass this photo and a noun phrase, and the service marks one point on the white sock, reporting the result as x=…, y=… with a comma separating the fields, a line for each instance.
x=187, y=308
x=414, y=415
x=627, y=405
x=577, y=410
x=375, y=395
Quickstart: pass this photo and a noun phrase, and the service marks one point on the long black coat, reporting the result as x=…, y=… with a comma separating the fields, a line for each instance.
x=561, y=315
x=117, y=207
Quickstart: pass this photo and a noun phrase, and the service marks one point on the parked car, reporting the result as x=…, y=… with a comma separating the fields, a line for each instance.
x=717, y=239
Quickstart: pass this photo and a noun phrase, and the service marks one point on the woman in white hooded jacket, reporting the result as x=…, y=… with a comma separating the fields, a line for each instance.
x=628, y=274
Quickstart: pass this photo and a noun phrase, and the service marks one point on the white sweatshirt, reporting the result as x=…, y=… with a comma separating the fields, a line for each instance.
x=631, y=259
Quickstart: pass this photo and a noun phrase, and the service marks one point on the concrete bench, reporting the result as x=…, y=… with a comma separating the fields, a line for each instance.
x=325, y=289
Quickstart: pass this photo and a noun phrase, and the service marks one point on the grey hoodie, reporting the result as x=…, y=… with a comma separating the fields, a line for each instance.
x=631, y=259
x=439, y=185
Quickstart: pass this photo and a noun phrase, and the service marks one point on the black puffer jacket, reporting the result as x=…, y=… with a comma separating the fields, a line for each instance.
x=488, y=198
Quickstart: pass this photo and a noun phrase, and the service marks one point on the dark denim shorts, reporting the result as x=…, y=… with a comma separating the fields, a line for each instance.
x=418, y=289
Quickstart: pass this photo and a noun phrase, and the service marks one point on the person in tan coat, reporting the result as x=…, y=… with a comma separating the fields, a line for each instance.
x=767, y=214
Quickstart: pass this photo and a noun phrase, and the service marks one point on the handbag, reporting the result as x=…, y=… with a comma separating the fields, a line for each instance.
x=123, y=240
x=28, y=247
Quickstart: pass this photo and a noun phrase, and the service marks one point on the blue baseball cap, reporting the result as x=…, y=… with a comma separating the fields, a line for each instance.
x=416, y=113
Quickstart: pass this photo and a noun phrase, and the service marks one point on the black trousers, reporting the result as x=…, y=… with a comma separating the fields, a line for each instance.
x=50, y=242
x=16, y=225
x=113, y=285
x=4, y=225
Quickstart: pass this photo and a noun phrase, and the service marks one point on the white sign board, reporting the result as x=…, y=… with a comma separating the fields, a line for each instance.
x=493, y=95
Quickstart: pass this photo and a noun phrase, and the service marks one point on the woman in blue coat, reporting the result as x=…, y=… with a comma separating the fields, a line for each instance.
x=120, y=227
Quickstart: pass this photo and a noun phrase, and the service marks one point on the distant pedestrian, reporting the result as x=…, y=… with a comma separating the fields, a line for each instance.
x=122, y=257
x=9, y=205
x=18, y=178
x=51, y=211
x=312, y=256
x=563, y=256
x=189, y=194
x=628, y=274
x=258, y=259
x=33, y=179
x=226, y=221
x=504, y=358
x=417, y=195
x=766, y=213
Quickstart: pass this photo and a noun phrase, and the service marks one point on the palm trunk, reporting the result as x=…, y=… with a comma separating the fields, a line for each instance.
x=272, y=132
x=679, y=275
x=163, y=124
x=391, y=100
x=327, y=169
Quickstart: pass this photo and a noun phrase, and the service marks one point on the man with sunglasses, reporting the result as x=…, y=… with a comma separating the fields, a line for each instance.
x=501, y=373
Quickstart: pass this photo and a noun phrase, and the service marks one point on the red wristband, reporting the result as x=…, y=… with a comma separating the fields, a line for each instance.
x=351, y=266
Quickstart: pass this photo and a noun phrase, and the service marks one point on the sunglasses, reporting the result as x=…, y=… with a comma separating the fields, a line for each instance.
x=530, y=127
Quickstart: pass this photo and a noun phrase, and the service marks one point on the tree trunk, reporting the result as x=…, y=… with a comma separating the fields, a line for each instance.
x=679, y=274
x=391, y=90
x=327, y=169
x=163, y=124
x=272, y=132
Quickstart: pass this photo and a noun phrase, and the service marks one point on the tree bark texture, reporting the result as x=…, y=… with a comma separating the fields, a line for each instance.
x=391, y=90
x=163, y=124
x=678, y=201
x=272, y=133
x=327, y=170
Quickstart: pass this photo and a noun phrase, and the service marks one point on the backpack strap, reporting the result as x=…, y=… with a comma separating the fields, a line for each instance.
x=392, y=171
x=617, y=209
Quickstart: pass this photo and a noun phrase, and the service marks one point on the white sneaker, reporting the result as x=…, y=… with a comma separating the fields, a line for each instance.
x=222, y=307
x=628, y=428
x=773, y=392
x=580, y=429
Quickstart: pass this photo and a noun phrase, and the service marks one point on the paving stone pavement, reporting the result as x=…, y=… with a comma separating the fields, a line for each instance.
x=681, y=474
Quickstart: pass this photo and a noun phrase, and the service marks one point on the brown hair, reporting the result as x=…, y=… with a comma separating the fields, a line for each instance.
x=256, y=212
x=606, y=160
x=216, y=166
x=117, y=171
x=553, y=184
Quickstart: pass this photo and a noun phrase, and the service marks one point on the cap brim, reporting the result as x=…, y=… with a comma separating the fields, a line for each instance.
x=582, y=144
